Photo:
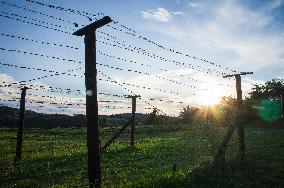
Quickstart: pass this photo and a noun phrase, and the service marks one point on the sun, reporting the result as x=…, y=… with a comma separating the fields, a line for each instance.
x=209, y=99
x=211, y=96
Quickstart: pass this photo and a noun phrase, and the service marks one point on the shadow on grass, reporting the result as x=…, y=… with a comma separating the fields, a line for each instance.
x=227, y=175
x=122, y=165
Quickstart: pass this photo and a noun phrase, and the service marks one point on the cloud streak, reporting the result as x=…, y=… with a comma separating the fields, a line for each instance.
x=159, y=15
x=236, y=36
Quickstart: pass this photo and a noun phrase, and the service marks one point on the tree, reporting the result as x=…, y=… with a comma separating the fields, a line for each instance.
x=189, y=114
x=152, y=118
x=269, y=99
x=271, y=90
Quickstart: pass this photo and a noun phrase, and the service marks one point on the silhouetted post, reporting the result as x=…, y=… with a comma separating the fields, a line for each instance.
x=239, y=124
x=93, y=142
x=21, y=125
x=132, y=138
x=239, y=104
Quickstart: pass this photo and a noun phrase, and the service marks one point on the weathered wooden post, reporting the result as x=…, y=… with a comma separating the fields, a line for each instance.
x=93, y=142
x=222, y=148
x=132, y=137
x=239, y=124
x=18, y=155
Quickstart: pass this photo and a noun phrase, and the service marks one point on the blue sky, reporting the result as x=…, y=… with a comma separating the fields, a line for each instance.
x=239, y=35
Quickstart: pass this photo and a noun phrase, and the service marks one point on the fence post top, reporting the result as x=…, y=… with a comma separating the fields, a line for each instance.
x=93, y=26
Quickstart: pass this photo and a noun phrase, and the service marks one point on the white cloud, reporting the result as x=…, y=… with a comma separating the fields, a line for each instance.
x=159, y=15
x=233, y=14
x=234, y=29
x=235, y=36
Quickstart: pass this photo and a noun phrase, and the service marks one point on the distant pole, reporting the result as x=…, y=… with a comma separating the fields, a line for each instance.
x=239, y=124
x=21, y=125
x=132, y=137
x=93, y=142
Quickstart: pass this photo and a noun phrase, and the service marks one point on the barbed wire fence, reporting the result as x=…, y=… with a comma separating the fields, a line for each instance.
x=48, y=94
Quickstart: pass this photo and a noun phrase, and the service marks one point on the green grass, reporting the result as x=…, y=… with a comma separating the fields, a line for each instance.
x=57, y=158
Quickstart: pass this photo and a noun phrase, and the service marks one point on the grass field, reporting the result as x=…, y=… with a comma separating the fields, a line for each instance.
x=57, y=158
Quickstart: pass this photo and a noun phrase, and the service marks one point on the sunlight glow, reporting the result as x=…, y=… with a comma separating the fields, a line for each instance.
x=210, y=99
x=212, y=96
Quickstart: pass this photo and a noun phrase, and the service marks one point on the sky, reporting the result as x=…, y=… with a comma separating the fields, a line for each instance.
x=213, y=37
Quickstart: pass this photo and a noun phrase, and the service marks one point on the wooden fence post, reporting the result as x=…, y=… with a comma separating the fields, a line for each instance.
x=132, y=137
x=93, y=142
x=239, y=124
x=18, y=155
x=222, y=148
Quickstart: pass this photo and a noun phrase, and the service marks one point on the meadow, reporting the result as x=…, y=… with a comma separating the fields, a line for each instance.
x=57, y=158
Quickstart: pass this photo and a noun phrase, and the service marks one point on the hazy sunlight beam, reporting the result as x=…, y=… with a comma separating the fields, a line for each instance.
x=212, y=96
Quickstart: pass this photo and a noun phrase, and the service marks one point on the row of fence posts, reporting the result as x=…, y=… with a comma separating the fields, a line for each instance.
x=93, y=142
x=131, y=122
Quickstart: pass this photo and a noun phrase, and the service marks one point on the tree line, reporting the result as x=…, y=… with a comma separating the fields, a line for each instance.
x=265, y=103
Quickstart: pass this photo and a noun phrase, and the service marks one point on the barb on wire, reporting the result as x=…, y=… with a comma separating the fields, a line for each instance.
x=156, y=57
x=148, y=74
x=37, y=12
x=138, y=86
x=40, y=55
x=38, y=78
x=208, y=71
x=35, y=24
x=39, y=42
x=28, y=68
x=85, y=15
x=133, y=33
x=38, y=21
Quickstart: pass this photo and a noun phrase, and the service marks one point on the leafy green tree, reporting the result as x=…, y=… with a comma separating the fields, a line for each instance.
x=271, y=90
x=189, y=114
x=267, y=99
x=152, y=118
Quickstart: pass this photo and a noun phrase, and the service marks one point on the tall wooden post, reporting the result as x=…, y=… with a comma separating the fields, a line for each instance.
x=222, y=148
x=239, y=124
x=93, y=142
x=18, y=155
x=132, y=137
